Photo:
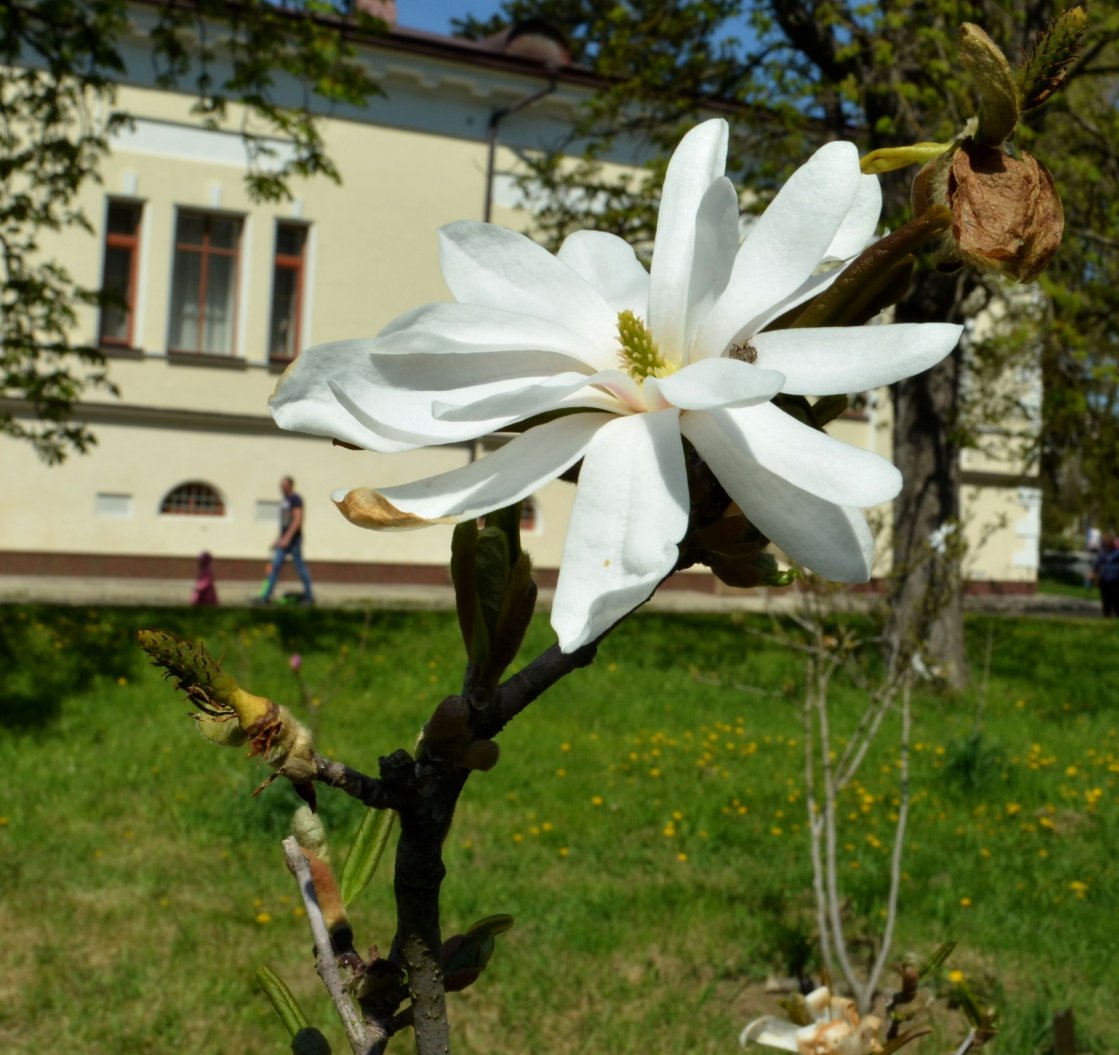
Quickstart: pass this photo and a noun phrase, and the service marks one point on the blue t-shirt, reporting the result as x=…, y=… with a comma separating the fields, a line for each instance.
x=287, y=506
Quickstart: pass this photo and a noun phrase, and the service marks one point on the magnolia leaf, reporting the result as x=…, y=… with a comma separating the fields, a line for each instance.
x=365, y=854
x=285, y=1004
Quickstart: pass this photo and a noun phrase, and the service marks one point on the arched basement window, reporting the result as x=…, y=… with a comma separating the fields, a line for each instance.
x=195, y=499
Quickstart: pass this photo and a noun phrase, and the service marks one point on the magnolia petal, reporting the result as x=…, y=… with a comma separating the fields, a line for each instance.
x=698, y=161
x=784, y=245
x=489, y=266
x=717, y=383
x=510, y=473
x=831, y=540
x=404, y=419
x=858, y=226
x=837, y=360
x=771, y=1032
x=474, y=330
x=630, y=510
x=306, y=399
x=611, y=266
x=523, y=402
x=716, y=245
x=809, y=459
x=369, y=509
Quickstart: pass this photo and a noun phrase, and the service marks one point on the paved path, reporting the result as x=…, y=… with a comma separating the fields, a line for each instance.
x=170, y=592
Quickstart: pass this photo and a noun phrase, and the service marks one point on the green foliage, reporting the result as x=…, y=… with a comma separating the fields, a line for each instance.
x=143, y=883
x=60, y=63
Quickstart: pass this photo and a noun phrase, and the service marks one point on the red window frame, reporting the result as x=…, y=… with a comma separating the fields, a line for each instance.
x=207, y=250
x=129, y=241
x=294, y=263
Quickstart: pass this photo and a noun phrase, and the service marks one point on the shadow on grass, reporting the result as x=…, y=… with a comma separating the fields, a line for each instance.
x=49, y=653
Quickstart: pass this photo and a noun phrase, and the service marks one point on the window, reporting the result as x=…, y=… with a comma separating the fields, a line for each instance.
x=118, y=506
x=192, y=499
x=204, y=286
x=118, y=273
x=287, y=292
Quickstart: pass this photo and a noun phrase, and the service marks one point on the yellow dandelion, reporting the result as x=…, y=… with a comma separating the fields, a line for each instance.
x=955, y=977
x=654, y=772
x=561, y=772
x=563, y=851
x=596, y=800
x=299, y=912
x=546, y=826
x=263, y=917
x=518, y=837
x=681, y=856
x=965, y=902
x=565, y=747
x=122, y=681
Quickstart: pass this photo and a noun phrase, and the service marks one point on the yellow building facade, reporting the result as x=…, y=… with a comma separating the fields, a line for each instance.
x=223, y=291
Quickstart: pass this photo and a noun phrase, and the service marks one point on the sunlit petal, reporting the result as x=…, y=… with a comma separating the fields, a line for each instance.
x=630, y=511
x=698, y=161
x=510, y=473
x=785, y=244
x=834, y=361
x=610, y=265
x=490, y=266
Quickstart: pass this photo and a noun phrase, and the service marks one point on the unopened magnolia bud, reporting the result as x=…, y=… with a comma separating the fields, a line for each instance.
x=481, y=755
x=447, y=731
x=310, y=832
x=994, y=84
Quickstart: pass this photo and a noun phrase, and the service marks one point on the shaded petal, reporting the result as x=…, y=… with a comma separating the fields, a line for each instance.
x=470, y=329
x=403, y=420
x=630, y=511
x=489, y=266
x=510, y=473
x=698, y=161
x=717, y=383
x=836, y=360
x=772, y=1032
x=528, y=400
x=809, y=459
x=784, y=245
x=611, y=266
x=716, y=245
x=831, y=540
x=860, y=223
x=306, y=399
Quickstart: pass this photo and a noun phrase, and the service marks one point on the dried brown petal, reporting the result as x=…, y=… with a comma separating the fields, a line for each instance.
x=1006, y=213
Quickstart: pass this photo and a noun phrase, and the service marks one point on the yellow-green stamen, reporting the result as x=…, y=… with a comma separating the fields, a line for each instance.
x=639, y=354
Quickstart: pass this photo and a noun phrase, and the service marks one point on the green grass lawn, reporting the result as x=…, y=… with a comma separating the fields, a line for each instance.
x=645, y=827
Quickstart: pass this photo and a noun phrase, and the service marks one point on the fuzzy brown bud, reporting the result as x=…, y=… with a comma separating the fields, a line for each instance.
x=1006, y=212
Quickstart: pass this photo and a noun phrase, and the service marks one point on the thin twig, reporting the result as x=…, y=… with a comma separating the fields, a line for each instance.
x=815, y=822
x=899, y=842
x=325, y=963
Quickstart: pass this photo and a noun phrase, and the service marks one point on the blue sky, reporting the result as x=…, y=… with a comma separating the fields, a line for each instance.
x=435, y=15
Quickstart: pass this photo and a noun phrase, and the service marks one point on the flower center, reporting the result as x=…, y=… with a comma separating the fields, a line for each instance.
x=639, y=353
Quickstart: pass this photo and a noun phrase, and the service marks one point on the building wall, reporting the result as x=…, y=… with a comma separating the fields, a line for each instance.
x=414, y=161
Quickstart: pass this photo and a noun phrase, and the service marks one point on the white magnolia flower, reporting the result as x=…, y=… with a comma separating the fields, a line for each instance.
x=635, y=360
x=835, y=1029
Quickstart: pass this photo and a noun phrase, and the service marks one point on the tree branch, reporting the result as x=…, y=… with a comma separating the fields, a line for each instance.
x=325, y=963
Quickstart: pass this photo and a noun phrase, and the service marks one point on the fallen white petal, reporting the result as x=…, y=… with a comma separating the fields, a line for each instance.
x=630, y=510
x=770, y=1031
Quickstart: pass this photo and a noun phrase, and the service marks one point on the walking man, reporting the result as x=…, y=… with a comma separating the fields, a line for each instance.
x=289, y=544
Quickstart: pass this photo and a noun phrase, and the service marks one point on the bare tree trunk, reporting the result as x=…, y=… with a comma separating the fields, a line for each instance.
x=926, y=609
